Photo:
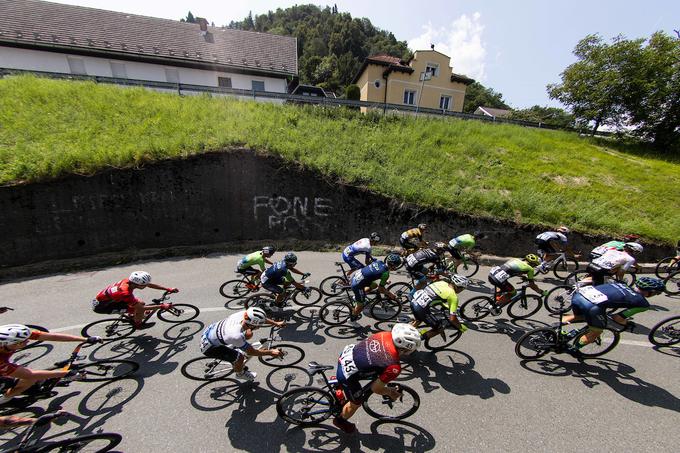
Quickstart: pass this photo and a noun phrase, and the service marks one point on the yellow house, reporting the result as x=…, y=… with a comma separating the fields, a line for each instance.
x=426, y=81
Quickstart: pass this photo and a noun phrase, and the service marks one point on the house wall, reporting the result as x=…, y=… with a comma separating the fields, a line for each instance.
x=37, y=60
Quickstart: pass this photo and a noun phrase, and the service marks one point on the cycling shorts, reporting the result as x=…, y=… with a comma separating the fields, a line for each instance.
x=248, y=271
x=455, y=253
x=417, y=272
x=503, y=287
x=598, y=273
x=351, y=386
x=108, y=308
x=408, y=243
x=594, y=314
x=353, y=263
x=222, y=352
x=272, y=287
x=423, y=314
x=545, y=246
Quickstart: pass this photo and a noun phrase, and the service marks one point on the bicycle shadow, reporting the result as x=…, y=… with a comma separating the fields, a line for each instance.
x=280, y=380
x=618, y=376
x=27, y=356
x=514, y=329
x=673, y=351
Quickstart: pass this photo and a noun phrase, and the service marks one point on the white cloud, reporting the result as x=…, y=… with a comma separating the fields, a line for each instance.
x=462, y=41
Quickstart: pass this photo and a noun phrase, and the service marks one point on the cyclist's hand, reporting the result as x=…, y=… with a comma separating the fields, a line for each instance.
x=544, y=292
x=173, y=290
x=280, y=324
x=305, y=275
x=394, y=394
x=94, y=340
x=165, y=306
x=276, y=353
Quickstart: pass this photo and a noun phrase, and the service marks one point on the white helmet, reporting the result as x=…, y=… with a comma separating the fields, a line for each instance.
x=460, y=281
x=405, y=336
x=140, y=278
x=255, y=316
x=564, y=230
x=13, y=334
x=634, y=246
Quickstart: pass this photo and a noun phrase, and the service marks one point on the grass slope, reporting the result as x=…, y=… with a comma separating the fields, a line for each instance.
x=52, y=128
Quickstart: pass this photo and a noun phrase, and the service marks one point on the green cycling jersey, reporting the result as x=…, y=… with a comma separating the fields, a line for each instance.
x=255, y=258
x=516, y=266
x=443, y=294
x=464, y=241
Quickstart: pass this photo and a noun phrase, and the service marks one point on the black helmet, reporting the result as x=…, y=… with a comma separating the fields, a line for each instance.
x=268, y=250
x=393, y=260
x=290, y=258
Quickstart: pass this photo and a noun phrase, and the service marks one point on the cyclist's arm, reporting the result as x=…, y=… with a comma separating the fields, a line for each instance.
x=25, y=373
x=162, y=288
x=14, y=420
x=295, y=271
x=251, y=351
x=47, y=336
x=271, y=322
x=266, y=261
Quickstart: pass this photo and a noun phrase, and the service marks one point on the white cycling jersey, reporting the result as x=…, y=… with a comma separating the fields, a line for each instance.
x=615, y=259
x=228, y=332
x=552, y=236
x=363, y=245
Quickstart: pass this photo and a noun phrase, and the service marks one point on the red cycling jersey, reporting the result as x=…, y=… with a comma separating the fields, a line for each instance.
x=118, y=292
x=7, y=367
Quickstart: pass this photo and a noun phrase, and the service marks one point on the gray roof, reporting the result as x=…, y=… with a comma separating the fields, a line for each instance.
x=38, y=24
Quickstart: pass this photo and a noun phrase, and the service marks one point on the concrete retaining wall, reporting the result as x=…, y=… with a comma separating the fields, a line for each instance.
x=216, y=198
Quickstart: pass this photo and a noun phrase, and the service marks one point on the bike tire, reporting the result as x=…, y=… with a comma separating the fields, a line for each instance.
x=109, y=329
x=292, y=356
x=666, y=333
x=312, y=296
x=333, y=285
x=468, y=268
x=110, y=441
x=311, y=400
x=402, y=290
x=99, y=371
x=558, y=299
x=566, y=267
x=385, y=309
x=263, y=301
x=234, y=289
x=375, y=404
x=443, y=340
x=178, y=313
x=476, y=308
x=206, y=369
x=607, y=341
x=335, y=313
x=664, y=267
x=525, y=306
x=672, y=283
x=574, y=277
x=536, y=343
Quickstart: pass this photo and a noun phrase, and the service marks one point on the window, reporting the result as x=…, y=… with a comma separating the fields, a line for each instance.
x=118, y=70
x=224, y=82
x=76, y=65
x=172, y=75
x=432, y=68
x=409, y=97
x=445, y=102
x=258, y=85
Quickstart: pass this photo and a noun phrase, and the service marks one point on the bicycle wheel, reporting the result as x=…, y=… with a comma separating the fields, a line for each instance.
x=607, y=341
x=206, y=369
x=335, y=313
x=467, y=268
x=178, y=313
x=109, y=329
x=575, y=277
x=308, y=297
x=536, y=343
x=525, y=306
x=105, y=370
x=292, y=355
x=666, y=333
x=558, y=299
x=476, y=308
x=305, y=406
x=385, y=309
x=263, y=301
x=94, y=443
x=672, y=283
x=333, y=285
x=234, y=289
x=383, y=408
x=443, y=340
x=667, y=266
x=565, y=267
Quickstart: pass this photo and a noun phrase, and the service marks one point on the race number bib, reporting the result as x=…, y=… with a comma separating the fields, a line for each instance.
x=411, y=260
x=347, y=361
x=421, y=299
x=205, y=343
x=593, y=295
x=499, y=274
x=357, y=278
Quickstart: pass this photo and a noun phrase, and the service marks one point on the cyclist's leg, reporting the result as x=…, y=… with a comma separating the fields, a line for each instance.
x=353, y=263
x=359, y=298
x=578, y=308
x=274, y=289
x=597, y=320
x=228, y=355
x=351, y=387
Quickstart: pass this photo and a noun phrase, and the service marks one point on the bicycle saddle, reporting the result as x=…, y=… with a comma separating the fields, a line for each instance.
x=314, y=367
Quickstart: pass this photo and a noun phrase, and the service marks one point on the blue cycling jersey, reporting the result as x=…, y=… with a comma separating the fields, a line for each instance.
x=377, y=270
x=613, y=295
x=277, y=273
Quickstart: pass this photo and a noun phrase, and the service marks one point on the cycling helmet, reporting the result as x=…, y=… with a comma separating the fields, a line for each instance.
x=140, y=278
x=13, y=334
x=440, y=247
x=650, y=284
x=255, y=316
x=631, y=237
x=375, y=237
x=634, y=247
x=290, y=258
x=478, y=234
x=393, y=260
x=405, y=336
x=459, y=281
x=422, y=226
x=268, y=250
x=564, y=230
x=532, y=259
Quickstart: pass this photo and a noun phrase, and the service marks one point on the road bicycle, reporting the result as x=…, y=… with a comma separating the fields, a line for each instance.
x=123, y=326
x=520, y=306
x=96, y=371
x=672, y=283
x=99, y=443
x=335, y=284
x=210, y=369
x=338, y=310
x=561, y=266
x=310, y=405
x=668, y=265
x=468, y=266
x=306, y=297
x=240, y=287
x=666, y=333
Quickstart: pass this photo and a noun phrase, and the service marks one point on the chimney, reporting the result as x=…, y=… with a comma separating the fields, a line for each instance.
x=203, y=23
x=432, y=46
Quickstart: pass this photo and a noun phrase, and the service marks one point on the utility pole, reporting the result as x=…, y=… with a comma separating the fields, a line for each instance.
x=423, y=77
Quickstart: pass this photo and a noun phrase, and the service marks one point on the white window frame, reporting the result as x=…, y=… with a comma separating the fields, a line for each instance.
x=76, y=65
x=448, y=104
x=432, y=68
x=410, y=95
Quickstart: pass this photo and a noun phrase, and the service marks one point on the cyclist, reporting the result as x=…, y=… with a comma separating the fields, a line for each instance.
x=499, y=277
x=613, y=263
x=277, y=276
x=444, y=292
x=416, y=262
x=228, y=340
x=378, y=271
x=551, y=243
x=461, y=243
x=376, y=358
x=413, y=238
x=14, y=337
x=246, y=264
x=612, y=245
x=118, y=297
x=591, y=303
x=362, y=246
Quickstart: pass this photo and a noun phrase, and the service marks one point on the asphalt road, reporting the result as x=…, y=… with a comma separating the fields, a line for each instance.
x=476, y=396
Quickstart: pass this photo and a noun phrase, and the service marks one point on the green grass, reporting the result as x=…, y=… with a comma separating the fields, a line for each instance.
x=51, y=128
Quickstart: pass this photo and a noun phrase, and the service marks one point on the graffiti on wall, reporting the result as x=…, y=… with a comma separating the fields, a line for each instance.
x=292, y=213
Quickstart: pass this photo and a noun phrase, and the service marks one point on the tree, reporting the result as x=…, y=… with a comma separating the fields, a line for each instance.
x=548, y=115
x=190, y=18
x=352, y=92
x=477, y=95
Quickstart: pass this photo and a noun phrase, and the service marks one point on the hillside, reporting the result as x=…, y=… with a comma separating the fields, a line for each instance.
x=49, y=129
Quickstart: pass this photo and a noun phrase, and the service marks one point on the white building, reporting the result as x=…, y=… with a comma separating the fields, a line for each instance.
x=66, y=39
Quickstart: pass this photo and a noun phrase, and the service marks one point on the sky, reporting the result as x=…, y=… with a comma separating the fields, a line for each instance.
x=515, y=47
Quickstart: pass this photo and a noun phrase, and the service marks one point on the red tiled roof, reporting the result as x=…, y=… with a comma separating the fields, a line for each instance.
x=389, y=59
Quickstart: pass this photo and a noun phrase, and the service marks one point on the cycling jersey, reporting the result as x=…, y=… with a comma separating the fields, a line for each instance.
x=552, y=236
x=593, y=301
x=613, y=259
x=228, y=332
x=435, y=293
x=513, y=268
x=412, y=233
x=276, y=274
x=361, y=246
x=377, y=270
x=602, y=249
x=118, y=292
x=422, y=256
x=7, y=367
x=464, y=241
x=255, y=258
x=376, y=356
